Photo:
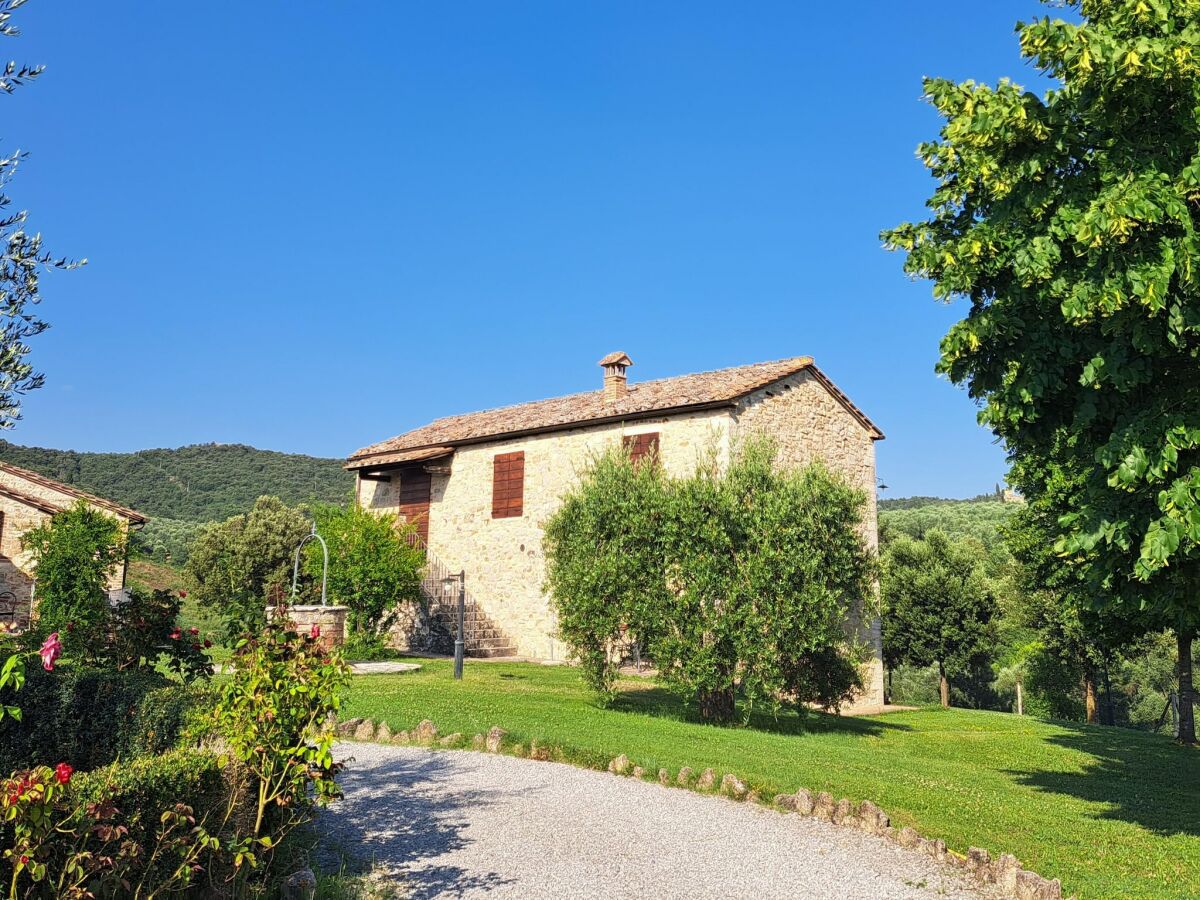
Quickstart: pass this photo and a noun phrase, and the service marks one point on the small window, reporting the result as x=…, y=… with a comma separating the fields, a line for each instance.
x=508, y=485
x=642, y=446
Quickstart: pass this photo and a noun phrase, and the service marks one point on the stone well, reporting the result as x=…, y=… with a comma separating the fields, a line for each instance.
x=331, y=619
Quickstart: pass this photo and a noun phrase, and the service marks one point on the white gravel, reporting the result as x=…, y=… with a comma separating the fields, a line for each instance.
x=463, y=824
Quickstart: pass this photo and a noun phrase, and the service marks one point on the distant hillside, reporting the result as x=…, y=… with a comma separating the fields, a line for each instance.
x=980, y=517
x=201, y=483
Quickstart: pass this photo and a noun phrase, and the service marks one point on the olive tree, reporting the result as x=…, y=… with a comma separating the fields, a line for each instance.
x=22, y=261
x=239, y=566
x=738, y=580
x=938, y=606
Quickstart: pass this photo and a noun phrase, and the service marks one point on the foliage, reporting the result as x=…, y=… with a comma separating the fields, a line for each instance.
x=606, y=564
x=21, y=263
x=166, y=540
x=12, y=678
x=374, y=568
x=239, y=566
x=90, y=717
x=363, y=647
x=1038, y=790
x=978, y=519
x=67, y=844
x=1069, y=222
x=737, y=580
x=938, y=605
x=200, y=483
x=74, y=555
x=272, y=713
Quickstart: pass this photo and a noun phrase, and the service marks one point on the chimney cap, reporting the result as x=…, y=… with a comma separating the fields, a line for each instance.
x=616, y=358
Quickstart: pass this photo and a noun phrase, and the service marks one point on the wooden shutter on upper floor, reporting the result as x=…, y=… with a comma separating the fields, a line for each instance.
x=642, y=446
x=508, y=485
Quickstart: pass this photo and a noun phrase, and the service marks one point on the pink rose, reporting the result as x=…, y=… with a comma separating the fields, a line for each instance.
x=315, y=631
x=51, y=650
x=176, y=634
x=63, y=772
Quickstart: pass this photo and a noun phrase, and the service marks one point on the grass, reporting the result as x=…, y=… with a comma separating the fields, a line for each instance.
x=1111, y=812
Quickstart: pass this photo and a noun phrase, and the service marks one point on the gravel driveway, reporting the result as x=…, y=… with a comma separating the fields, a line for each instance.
x=467, y=824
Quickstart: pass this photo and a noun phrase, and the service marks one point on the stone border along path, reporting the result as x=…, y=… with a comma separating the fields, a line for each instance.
x=474, y=824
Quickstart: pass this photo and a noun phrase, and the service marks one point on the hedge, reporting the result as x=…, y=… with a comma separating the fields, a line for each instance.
x=91, y=717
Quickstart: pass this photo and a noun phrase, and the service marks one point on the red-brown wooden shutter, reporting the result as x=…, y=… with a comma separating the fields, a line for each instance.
x=642, y=446
x=508, y=485
x=415, y=486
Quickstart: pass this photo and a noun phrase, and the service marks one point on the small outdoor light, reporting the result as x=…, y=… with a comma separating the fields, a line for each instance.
x=459, y=646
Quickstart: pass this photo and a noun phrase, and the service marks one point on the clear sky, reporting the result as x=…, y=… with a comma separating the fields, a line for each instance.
x=313, y=226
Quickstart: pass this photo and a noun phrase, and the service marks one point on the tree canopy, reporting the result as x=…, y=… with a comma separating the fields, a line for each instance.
x=239, y=566
x=938, y=606
x=738, y=581
x=1069, y=223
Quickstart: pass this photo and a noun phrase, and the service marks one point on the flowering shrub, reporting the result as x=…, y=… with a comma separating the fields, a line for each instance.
x=68, y=846
x=272, y=712
x=144, y=631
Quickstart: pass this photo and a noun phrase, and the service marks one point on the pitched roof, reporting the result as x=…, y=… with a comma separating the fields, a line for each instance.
x=702, y=390
x=49, y=506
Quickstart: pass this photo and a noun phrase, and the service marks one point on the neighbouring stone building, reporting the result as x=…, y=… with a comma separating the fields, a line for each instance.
x=480, y=486
x=28, y=499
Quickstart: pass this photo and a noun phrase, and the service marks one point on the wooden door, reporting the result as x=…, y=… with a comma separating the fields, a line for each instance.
x=414, y=499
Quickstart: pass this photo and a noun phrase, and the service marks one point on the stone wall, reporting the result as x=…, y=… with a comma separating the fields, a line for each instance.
x=503, y=557
x=505, y=568
x=809, y=423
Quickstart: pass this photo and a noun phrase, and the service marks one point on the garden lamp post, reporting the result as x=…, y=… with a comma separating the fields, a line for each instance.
x=459, y=646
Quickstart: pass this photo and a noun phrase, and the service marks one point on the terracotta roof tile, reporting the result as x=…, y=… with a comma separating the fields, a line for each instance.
x=643, y=399
x=132, y=515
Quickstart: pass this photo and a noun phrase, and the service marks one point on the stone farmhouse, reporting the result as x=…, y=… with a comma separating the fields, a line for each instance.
x=479, y=487
x=28, y=499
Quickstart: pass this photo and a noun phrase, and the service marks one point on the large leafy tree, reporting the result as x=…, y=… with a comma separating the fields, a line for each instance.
x=737, y=580
x=239, y=566
x=374, y=568
x=939, y=608
x=1069, y=222
x=22, y=260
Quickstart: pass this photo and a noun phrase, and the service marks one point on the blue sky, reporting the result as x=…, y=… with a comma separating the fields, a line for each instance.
x=312, y=226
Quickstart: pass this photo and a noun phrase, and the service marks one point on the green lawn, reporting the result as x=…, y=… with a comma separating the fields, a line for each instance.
x=1109, y=811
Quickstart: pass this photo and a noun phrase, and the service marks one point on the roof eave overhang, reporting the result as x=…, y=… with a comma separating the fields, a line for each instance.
x=365, y=461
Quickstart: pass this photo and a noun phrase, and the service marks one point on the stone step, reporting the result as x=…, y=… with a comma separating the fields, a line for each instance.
x=492, y=652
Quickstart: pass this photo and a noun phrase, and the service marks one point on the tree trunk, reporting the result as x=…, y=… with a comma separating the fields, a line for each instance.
x=943, y=686
x=1187, y=723
x=716, y=706
x=1020, y=700
x=1089, y=697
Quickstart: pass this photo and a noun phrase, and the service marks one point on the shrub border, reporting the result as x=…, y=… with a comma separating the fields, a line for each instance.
x=1004, y=872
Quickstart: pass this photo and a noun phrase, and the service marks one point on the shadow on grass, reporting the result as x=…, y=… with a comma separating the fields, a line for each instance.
x=1147, y=780
x=662, y=703
x=397, y=815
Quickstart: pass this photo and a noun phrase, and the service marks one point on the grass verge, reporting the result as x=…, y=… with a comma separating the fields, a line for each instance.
x=1109, y=811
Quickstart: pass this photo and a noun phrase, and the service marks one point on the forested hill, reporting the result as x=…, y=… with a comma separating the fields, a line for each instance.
x=201, y=483
x=979, y=517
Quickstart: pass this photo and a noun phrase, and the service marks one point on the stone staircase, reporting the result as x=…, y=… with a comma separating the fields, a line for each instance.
x=483, y=638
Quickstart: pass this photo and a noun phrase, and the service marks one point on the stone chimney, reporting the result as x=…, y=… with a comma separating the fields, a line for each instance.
x=615, y=384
